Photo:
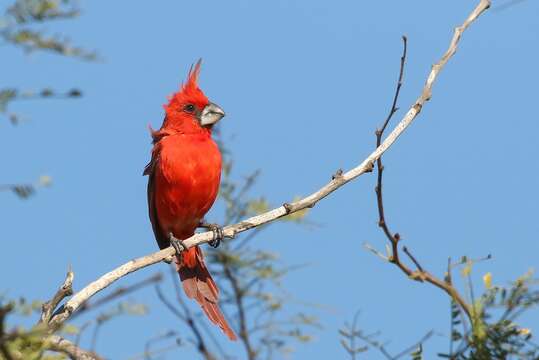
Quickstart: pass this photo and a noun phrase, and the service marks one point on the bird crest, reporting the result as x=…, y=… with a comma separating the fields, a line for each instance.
x=188, y=93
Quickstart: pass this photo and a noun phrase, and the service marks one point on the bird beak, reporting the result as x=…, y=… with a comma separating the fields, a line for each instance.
x=211, y=115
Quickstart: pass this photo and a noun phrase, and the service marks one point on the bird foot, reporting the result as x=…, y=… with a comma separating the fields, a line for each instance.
x=169, y=259
x=177, y=244
x=218, y=233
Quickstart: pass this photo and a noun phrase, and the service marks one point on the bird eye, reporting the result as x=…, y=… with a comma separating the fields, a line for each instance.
x=189, y=108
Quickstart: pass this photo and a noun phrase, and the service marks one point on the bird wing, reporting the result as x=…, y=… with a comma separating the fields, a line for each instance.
x=160, y=237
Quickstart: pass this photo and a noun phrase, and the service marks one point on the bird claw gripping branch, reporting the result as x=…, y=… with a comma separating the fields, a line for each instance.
x=177, y=244
x=218, y=233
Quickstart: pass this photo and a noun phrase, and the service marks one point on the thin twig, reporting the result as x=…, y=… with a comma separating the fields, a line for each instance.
x=375, y=344
x=467, y=260
x=188, y=319
x=147, y=347
x=238, y=299
x=408, y=350
x=191, y=320
x=414, y=260
x=82, y=328
x=453, y=304
x=308, y=202
x=121, y=291
x=160, y=351
x=95, y=333
x=189, y=314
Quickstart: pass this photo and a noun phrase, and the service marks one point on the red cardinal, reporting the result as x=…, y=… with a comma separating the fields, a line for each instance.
x=184, y=176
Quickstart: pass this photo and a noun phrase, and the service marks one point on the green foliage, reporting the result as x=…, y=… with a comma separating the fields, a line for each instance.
x=418, y=353
x=18, y=342
x=15, y=27
x=32, y=343
x=24, y=191
x=10, y=95
x=31, y=40
x=18, y=27
x=25, y=11
x=494, y=332
x=491, y=332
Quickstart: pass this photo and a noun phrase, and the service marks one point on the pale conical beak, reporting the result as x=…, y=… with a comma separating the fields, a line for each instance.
x=211, y=115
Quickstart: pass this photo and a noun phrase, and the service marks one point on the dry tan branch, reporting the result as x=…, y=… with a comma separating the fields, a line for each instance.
x=59, y=344
x=64, y=291
x=339, y=180
x=121, y=291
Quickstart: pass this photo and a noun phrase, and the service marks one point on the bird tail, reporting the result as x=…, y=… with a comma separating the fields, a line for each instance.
x=199, y=285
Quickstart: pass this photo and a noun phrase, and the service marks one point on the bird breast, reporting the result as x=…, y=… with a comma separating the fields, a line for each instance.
x=187, y=181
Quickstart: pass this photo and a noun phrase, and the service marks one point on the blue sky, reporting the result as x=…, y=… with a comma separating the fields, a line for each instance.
x=304, y=84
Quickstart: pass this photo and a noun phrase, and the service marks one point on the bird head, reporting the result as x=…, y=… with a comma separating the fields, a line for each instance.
x=189, y=110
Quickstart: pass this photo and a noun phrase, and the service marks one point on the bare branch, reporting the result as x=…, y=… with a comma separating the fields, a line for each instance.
x=121, y=291
x=414, y=260
x=419, y=343
x=420, y=274
x=308, y=202
x=190, y=321
x=148, y=351
x=59, y=344
x=64, y=291
x=239, y=301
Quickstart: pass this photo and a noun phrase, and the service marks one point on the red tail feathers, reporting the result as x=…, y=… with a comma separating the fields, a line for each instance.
x=199, y=285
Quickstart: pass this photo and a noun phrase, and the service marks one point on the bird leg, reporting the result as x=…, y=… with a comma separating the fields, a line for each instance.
x=217, y=231
x=177, y=244
x=218, y=235
x=169, y=259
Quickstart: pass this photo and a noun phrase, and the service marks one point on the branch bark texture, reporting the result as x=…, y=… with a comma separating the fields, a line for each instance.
x=59, y=344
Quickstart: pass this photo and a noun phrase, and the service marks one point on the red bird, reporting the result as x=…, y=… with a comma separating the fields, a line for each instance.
x=184, y=177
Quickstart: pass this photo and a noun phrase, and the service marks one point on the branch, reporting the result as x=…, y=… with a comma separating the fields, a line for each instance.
x=308, y=202
x=64, y=291
x=379, y=133
x=190, y=321
x=59, y=344
x=238, y=299
x=420, y=274
x=121, y=292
